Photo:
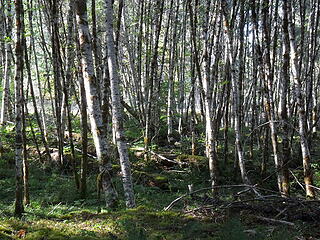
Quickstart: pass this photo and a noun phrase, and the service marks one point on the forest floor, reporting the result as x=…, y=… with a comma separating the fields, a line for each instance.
x=57, y=212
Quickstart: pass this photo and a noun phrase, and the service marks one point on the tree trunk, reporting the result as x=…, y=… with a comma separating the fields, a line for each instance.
x=151, y=80
x=269, y=103
x=84, y=128
x=33, y=97
x=56, y=62
x=206, y=92
x=7, y=69
x=308, y=178
x=170, y=99
x=19, y=208
x=84, y=132
x=66, y=88
x=43, y=126
x=94, y=110
x=235, y=95
x=283, y=109
x=117, y=109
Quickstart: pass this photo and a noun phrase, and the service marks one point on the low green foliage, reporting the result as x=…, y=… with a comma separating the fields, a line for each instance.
x=57, y=211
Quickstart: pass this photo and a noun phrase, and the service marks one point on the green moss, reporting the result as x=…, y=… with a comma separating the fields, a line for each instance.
x=116, y=167
x=6, y=231
x=45, y=234
x=161, y=178
x=4, y=236
x=192, y=159
x=151, y=179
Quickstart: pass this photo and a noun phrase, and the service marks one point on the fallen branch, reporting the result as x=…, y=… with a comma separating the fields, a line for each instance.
x=281, y=212
x=55, y=207
x=88, y=154
x=205, y=189
x=274, y=221
x=295, y=178
x=166, y=159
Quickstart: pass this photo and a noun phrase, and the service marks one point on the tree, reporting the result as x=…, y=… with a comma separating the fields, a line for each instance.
x=94, y=110
x=7, y=69
x=117, y=109
x=235, y=93
x=306, y=157
x=19, y=208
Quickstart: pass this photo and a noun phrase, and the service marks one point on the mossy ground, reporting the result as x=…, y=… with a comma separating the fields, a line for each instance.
x=57, y=212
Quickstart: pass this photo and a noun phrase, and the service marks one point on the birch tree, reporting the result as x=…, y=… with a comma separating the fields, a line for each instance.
x=7, y=68
x=235, y=92
x=19, y=208
x=295, y=73
x=117, y=109
x=94, y=110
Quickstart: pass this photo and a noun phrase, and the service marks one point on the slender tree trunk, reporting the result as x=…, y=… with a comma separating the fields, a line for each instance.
x=152, y=79
x=7, y=69
x=205, y=92
x=308, y=178
x=95, y=48
x=170, y=100
x=2, y=44
x=25, y=163
x=117, y=110
x=43, y=126
x=84, y=132
x=19, y=208
x=193, y=107
x=66, y=88
x=84, y=127
x=235, y=94
x=56, y=61
x=33, y=97
x=283, y=109
x=94, y=110
x=269, y=104
x=182, y=81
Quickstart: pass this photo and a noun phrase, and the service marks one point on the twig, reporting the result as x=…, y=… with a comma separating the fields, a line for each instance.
x=266, y=123
x=89, y=155
x=271, y=220
x=176, y=171
x=55, y=207
x=295, y=178
x=301, y=185
x=204, y=189
x=176, y=200
x=280, y=213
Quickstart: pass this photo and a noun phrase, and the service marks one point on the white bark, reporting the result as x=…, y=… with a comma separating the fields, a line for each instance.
x=117, y=109
x=265, y=74
x=300, y=103
x=236, y=96
x=18, y=108
x=7, y=69
x=94, y=110
x=172, y=67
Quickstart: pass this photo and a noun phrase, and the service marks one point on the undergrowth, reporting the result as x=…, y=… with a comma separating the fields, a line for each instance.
x=57, y=211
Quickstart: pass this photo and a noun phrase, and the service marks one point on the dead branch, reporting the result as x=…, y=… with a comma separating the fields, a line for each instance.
x=166, y=159
x=273, y=221
x=296, y=179
x=205, y=189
